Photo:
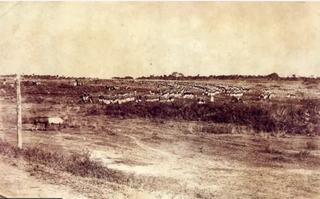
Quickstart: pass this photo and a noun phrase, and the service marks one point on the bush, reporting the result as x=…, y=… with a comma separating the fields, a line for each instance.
x=271, y=150
x=303, y=154
x=312, y=145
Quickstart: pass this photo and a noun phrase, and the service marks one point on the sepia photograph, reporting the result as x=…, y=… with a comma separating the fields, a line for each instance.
x=160, y=100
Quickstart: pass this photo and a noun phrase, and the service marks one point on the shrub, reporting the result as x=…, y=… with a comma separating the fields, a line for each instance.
x=303, y=154
x=282, y=158
x=271, y=150
x=312, y=145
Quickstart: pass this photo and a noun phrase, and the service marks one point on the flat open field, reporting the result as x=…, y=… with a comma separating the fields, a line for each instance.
x=169, y=149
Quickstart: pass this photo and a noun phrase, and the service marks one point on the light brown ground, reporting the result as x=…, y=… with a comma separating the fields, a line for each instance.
x=172, y=159
x=204, y=165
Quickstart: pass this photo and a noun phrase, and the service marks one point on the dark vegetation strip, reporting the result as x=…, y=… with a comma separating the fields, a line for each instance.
x=300, y=118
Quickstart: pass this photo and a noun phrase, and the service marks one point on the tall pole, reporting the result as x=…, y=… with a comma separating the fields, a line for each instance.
x=19, y=124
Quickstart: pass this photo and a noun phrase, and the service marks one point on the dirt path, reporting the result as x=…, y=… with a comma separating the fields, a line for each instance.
x=213, y=171
x=148, y=148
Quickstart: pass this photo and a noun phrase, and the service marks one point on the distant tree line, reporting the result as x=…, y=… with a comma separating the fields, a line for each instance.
x=126, y=77
x=52, y=77
x=180, y=76
x=272, y=76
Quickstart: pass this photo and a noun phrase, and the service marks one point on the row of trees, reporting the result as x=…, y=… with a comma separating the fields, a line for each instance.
x=180, y=76
x=272, y=76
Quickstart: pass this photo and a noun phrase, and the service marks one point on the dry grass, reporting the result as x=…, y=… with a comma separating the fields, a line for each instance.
x=206, y=142
x=240, y=148
x=80, y=164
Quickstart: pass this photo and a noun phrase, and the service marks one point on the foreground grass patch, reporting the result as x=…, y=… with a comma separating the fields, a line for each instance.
x=79, y=164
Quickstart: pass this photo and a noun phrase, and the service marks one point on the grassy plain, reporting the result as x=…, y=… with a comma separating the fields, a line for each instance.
x=137, y=153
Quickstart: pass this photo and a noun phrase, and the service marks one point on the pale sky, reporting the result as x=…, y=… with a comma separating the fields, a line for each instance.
x=107, y=39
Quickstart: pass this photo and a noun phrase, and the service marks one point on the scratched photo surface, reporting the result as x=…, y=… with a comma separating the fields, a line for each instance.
x=160, y=100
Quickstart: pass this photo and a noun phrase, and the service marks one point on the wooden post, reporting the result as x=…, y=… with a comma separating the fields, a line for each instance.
x=19, y=123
